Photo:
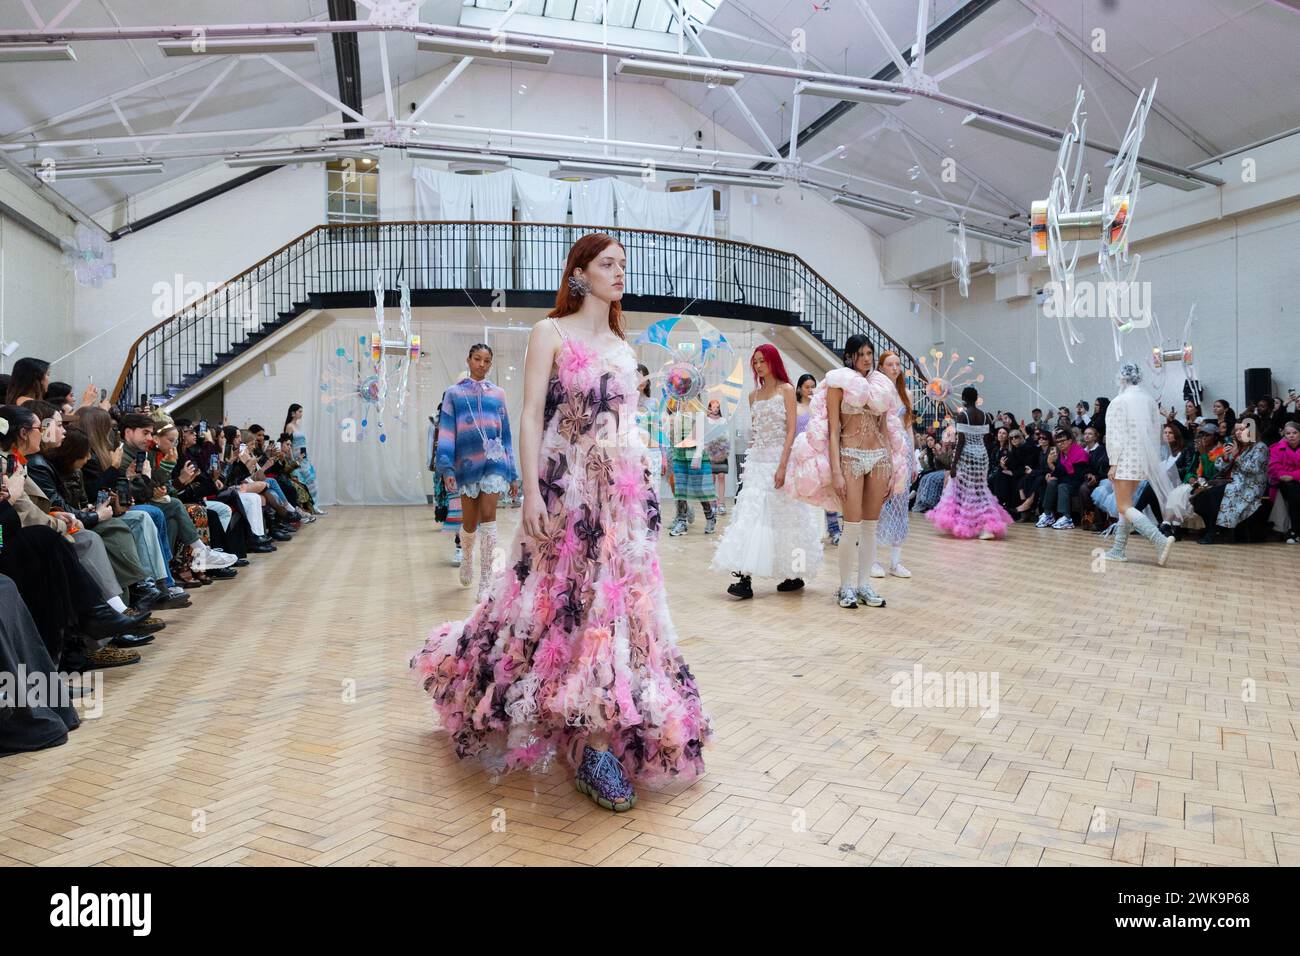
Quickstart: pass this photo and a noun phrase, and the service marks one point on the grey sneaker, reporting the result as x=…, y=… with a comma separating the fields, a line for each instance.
x=678, y=528
x=710, y=525
x=867, y=595
x=848, y=597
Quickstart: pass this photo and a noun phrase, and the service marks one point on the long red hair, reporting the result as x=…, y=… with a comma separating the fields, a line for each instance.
x=580, y=256
x=774, y=363
x=899, y=384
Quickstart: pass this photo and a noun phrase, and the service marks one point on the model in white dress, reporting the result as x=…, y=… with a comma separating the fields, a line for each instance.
x=770, y=535
x=1133, y=430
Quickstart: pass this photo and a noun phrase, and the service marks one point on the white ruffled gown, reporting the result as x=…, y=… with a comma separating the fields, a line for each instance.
x=770, y=534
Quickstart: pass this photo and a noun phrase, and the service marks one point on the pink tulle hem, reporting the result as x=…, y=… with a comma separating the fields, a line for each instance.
x=949, y=517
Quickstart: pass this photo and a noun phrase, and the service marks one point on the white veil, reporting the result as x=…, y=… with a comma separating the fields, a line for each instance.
x=1135, y=411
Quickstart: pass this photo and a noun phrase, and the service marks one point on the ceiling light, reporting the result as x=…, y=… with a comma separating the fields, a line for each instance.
x=1151, y=174
x=1010, y=131
x=873, y=206
x=712, y=179
x=485, y=51
x=856, y=93
x=601, y=169
x=1009, y=242
x=678, y=71
x=27, y=52
x=455, y=156
x=221, y=46
x=241, y=161
x=58, y=172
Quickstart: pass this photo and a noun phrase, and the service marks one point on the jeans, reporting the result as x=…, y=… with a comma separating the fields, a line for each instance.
x=160, y=523
x=147, y=545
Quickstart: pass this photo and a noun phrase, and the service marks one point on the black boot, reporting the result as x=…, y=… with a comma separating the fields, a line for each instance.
x=790, y=584
x=741, y=588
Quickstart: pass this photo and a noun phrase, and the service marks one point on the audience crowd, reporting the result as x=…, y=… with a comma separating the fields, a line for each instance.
x=1238, y=474
x=109, y=516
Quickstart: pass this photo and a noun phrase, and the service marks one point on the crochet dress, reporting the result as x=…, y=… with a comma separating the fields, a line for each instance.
x=968, y=508
x=573, y=636
x=892, y=529
x=770, y=534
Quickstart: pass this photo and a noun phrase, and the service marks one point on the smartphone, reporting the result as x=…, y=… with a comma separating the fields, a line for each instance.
x=102, y=498
x=103, y=394
x=11, y=465
x=302, y=452
x=139, y=460
x=214, y=463
x=203, y=429
x=243, y=447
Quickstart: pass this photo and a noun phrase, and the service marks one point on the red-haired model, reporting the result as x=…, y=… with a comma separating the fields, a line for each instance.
x=572, y=649
x=770, y=534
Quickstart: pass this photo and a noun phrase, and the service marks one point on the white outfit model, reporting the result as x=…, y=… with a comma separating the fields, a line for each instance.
x=770, y=534
x=1133, y=429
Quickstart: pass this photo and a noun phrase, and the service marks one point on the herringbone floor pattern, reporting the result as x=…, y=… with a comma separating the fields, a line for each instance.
x=1145, y=716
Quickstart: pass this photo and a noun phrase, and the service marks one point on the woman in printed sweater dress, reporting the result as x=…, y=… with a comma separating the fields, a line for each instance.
x=476, y=459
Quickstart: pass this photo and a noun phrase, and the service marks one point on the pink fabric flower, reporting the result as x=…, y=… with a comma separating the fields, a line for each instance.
x=578, y=365
x=551, y=657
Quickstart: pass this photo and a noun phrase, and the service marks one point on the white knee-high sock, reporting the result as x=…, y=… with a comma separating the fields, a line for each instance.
x=487, y=547
x=867, y=552
x=849, y=531
x=467, y=542
x=895, y=555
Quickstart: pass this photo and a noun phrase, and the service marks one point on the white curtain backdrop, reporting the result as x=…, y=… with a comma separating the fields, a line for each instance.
x=671, y=266
x=593, y=202
x=493, y=198
x=542, y=199
x=674, y=266
x=443, y=195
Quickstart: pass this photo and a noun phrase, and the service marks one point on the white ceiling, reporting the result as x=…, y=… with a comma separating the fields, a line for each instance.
x=1227, y=71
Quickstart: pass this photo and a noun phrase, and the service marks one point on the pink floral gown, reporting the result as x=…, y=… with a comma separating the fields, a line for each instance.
x=574, y=635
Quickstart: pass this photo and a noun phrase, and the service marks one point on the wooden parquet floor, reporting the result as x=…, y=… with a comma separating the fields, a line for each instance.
x=1144, y=716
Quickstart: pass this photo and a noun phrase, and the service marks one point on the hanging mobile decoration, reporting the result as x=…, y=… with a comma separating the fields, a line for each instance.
x=942, y=381
x=961, y=260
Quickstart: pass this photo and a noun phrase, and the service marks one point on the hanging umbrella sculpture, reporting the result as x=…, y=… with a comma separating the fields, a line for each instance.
x=691, y=363
x=939, y=381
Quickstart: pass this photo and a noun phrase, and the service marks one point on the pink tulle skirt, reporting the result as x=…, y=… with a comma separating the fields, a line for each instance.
x=968, y=513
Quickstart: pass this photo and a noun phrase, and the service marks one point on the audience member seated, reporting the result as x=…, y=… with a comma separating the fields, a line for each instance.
x=41, y=713
x=28, y=381
x=1064, y=482
x=1236, y=495
x=930, y=486
x=1284, y=476
x=1038, y=462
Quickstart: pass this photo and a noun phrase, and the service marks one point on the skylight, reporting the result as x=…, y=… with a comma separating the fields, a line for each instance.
x=652, y=15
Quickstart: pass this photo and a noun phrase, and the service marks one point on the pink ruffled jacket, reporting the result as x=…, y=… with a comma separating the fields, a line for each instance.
x=808, y=477
x=1282, y=460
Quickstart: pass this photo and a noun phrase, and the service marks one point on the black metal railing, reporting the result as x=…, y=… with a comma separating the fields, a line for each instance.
x=698, y=274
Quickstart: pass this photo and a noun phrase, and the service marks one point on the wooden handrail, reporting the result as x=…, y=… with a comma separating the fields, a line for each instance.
x=133, y=352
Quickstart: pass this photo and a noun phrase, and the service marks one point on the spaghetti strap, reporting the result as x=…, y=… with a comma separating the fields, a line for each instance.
x=560, y=330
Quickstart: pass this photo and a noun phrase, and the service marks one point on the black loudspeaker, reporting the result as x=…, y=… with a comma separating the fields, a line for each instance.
x=1259, y=384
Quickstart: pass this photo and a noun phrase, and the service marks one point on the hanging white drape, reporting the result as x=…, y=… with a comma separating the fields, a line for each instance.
x=493, y=199
x=672, y=265
x=541, y=258
x=593, y=203
x=440, y=195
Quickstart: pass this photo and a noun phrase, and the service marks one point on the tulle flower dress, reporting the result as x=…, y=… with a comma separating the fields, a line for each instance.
x=573, y=636
x=967, y=508
x=770, y=535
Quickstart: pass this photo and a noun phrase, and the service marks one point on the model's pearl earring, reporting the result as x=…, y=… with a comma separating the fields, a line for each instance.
x=578, y=285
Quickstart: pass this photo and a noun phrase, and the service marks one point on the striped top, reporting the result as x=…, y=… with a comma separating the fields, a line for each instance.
x=472, y=412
